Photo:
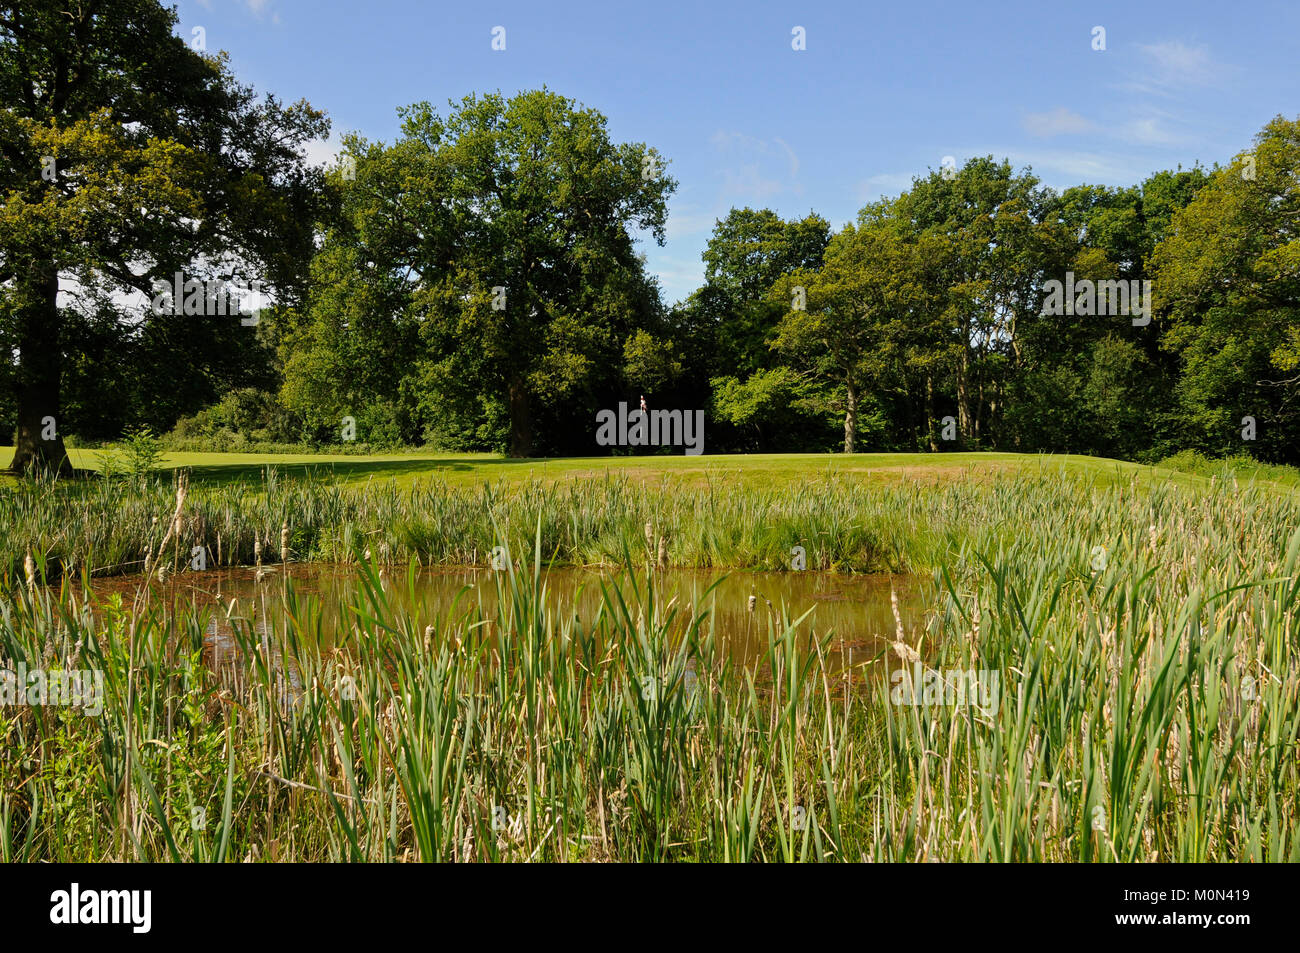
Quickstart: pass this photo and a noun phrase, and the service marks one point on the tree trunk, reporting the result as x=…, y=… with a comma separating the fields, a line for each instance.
x=851, y=420
x=965, y=412
x=929, y=413
x=521, y=422
x=38, y=442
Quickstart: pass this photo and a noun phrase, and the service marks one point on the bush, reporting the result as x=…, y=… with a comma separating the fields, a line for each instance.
x=1241, y=465
x=239, y=421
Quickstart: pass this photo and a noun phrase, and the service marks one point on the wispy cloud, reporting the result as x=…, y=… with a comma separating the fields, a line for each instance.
x=793, y=159
x=763, y=167
x=322, y=151
x=1057, y=122
x=1151, y=131
x=678, y=275
x=748, y=181
x=1148, y=126
x=689, y=220
x=1173, y=62
x=1173, y=66
x=884, y=183
x=1064, y=168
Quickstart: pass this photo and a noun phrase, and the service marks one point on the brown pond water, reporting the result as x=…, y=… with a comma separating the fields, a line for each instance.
x=854, y=609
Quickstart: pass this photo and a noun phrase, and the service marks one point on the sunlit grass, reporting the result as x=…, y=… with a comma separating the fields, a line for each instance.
x=757, y=470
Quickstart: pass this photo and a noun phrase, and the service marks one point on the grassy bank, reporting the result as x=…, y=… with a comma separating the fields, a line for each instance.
x=1145, y=637
x=871, y=513
x=758, y=471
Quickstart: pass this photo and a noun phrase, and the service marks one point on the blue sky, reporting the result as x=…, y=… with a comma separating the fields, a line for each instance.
x=881, y=92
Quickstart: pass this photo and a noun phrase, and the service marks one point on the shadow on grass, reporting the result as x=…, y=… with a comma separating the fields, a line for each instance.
x=358, y=469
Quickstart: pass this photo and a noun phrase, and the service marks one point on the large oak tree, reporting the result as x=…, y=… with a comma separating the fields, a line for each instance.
x=482, y=266
x=126, y=156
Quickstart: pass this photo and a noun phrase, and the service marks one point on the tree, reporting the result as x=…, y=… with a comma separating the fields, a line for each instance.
x=1096, y=384
x=1227, y=279
x=992, y=225
x=127, y=157
x=773, y=407
x=749, y=251
x=501, y=240
x=846, y=334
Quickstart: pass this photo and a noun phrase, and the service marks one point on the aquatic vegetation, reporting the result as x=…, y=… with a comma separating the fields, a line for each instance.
x=1144, y=641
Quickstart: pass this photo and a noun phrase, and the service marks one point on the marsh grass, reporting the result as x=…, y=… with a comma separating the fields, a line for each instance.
x=1149, y=707
x=111, y=526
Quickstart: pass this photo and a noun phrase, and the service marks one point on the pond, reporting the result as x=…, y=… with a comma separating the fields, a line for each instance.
x=854, y=609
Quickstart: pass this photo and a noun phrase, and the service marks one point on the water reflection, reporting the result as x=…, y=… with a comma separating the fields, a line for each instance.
x=740, y=607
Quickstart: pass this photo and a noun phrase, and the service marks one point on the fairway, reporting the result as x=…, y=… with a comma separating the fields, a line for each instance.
x=753, y=470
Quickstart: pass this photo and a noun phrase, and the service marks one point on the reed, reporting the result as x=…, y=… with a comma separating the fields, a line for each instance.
x=1145, y=639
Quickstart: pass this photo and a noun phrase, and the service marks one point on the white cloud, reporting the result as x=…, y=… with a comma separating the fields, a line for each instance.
x=764, y=167
x=1150, y=131
x=882, y=184
x=1172, y=66
x=689, y=220
x=678, y=276
x=1149, y=127
x=322, y=152
x=1175, y=63
x=1063, y=169
x=748, y=181
x=1057, y=122
x=794, y=159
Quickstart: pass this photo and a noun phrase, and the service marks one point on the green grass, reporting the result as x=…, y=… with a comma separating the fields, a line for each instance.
x=727, y=512
x=753, y=469
x=1145, y=635
x=864, y=513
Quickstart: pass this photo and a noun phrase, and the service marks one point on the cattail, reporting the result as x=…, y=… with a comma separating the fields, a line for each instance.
x=905, y=653
x=257, y=553
x=148, y=549
x=753, y=603
x=29, y=567
x=663, y=550
x=898, y=618
x=284, y=543
x=650, y=536
x=901, y=649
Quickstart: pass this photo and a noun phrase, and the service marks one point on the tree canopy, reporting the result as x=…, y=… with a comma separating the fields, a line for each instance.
x=129, y=157
x=478, y=283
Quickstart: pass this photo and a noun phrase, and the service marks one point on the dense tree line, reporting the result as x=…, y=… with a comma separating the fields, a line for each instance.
x=476, y=285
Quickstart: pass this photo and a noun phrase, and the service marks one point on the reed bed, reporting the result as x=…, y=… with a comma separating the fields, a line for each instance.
x=111, y=527
x=1145, y=638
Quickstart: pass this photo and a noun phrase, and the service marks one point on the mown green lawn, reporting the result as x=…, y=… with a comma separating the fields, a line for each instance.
x=751, y=469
